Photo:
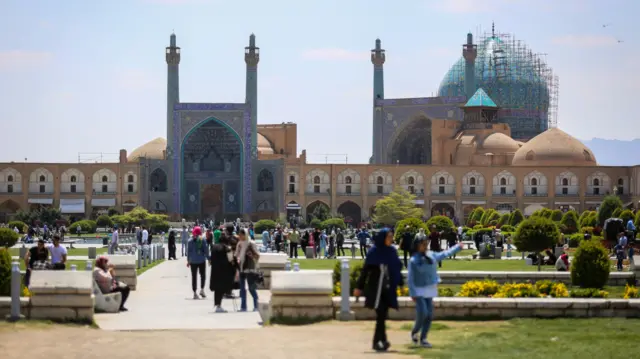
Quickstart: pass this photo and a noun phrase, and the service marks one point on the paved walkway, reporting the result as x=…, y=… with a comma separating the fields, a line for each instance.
x=164, y=301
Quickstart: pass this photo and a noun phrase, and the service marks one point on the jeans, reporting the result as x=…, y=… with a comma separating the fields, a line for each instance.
x=424, y=317
x=620, y=260
x=247, y=281
x=184, y=249
x=112, y=248
x=293, y=250
x=195, y=268
x=406, y=263
x=380, y=333
x=363, y=250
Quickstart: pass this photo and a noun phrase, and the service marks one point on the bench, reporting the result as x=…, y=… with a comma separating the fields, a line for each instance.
x=108, y=303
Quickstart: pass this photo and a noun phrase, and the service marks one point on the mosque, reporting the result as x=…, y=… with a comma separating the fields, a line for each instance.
x=488, y=139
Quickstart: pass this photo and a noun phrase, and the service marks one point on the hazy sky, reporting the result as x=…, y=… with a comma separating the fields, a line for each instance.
x=89, y=76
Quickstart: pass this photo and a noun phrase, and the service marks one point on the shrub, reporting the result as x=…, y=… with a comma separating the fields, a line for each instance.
x=334, y=223
x=112, y=212
x=575, y=239
x=446, y=292
x=17, y=224
x=402, y=291
x=507, y=228
x=569, y=222
x=504, y=220
x=264, y=224
x=8, y=237
x=590, y=219
x=626, y=215
x=477, y=215
x=607, y=207
x=104, y=221
x=354, y=274
x=315, y=223
x=401, y=227
x=631, y=292
x=441, y=223
x=479, y=288
x=517, y=290
x=5, y=272
x=536, y=234
x=85, y=225
x=590, y=266
x=516, y=218
x=159, y=227
x=616, y=213
x=588, y=293
x=556, y=215
x=553, y=289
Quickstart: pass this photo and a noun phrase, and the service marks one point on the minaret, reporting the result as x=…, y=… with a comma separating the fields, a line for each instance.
x=377, y=59
x=469, y=52
x=251, y=58
x=173, y=88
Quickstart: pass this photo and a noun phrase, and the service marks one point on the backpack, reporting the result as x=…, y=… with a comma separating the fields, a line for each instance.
x=139, y=237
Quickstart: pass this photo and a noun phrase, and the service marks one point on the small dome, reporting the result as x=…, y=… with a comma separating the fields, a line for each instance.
x=152, y=150
x=500, y=143
x=554, y=147
x=264, y=145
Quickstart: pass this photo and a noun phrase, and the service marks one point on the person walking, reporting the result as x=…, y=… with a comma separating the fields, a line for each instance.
x=406, y=244
x=223, y=271
x=172, y=244
x=380, y=277
x=184, y=238
x=197, y=256
x=339, y=243
x=113, y=246
x=247, y=255
x=323, y=245
x=423, y=282
x=294, y=240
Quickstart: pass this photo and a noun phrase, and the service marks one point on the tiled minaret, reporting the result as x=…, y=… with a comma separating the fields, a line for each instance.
x=251, y=58
x=377, y=59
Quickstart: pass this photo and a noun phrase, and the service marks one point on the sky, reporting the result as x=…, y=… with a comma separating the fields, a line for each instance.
x=81, y=76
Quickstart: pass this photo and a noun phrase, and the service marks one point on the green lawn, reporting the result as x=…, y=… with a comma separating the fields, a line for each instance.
x=529, y=338
x=82, y=265
x=447, y=265
x=70, y=251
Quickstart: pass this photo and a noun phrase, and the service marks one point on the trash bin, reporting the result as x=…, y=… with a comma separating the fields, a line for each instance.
x=105, y=241
x=308, y=252
x=92, y=253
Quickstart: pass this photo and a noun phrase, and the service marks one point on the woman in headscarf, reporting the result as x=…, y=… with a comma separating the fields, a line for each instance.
x=248, y=256
x=380, y=277
x=223, y=270
x=197, y=256
x=172, y=245
x=105, y=276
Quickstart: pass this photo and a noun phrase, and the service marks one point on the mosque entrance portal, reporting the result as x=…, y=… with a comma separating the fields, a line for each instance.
x=212, y=201
x=412, y=145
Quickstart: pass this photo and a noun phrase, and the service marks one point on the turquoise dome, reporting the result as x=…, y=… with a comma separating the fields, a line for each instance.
x=512, y=80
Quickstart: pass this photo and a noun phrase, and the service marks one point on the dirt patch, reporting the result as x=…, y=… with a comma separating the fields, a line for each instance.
x=323, y=340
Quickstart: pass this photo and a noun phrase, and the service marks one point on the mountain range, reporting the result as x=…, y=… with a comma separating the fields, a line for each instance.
x=615, y=152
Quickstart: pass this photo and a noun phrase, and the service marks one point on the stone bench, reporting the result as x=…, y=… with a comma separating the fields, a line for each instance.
x=107, y=303
x=62, y=296
x=125, y=267
x=507, y=308
x=301, y=295
x=269, y=263
x=461, y=277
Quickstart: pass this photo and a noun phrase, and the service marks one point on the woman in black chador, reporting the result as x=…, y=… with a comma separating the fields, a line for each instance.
x=172, y=245
x=380, y=277
x=223, y=270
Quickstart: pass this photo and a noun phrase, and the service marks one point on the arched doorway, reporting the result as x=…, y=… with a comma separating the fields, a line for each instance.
x=412, y=144
x=158, y=180
x=352, y=213
x=8, y=209
x=317, y=209
x=212, y=159
x=442, y=209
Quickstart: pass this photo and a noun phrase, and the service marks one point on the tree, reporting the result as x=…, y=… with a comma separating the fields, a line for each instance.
x=504, y=219
x=591, y=265
x=607, y=207
x=47, y=215
x=477, y=216
x=616, y=213
x=470, y=217
x=625, y=216
x=112, y=212
x=516, y=218
x=569, y=222
x=398, y=205
x=401, y=227
x=321, y=212
x=536, y=234
x=104, y=221
x=556, y=215
x=442, y=223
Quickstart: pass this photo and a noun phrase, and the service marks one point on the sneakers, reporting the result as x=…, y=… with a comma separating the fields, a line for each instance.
x=426, y=344
x=381, y=346
x=414, y=338
x=220, y=310
x=195, y=295
x=202, y=293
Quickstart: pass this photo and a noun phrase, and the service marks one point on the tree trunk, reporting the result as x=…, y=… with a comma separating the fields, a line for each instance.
x=539, y=261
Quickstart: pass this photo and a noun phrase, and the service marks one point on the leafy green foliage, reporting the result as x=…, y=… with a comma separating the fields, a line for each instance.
x=5, y=272
x=590, y=266
x=45, y=215
x=616, y=213
x=86, y=225
x=607, y=207
x=569, y=222
x=626, y=215
x=477, y=215
x=316, y=223
x=398, y=205
x=401, y=227
x=321, y=212
x=442, y=223
x=504, y=220
x=516, y=218
x=104, y=221
x=112, y=212
x=556, y=215
x=8, y=237
x=589, y=219
x=334, y=223
x=264, y=225
x=536, y=234
x=18, y=224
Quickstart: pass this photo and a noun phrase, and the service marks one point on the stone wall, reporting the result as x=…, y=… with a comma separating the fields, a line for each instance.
x=505, y=308
x=270, y=262
x=460, y=277
x=301, y=295
x=62, y=296
x=5, y=306
x=125, y=267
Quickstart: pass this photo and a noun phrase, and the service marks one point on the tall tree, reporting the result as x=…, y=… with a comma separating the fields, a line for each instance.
x=398, y=205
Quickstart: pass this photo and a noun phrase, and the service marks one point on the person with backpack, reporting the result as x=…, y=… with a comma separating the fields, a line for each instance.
x=197, y=257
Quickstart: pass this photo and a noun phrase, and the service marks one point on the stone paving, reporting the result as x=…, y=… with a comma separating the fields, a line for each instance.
x=164, y=301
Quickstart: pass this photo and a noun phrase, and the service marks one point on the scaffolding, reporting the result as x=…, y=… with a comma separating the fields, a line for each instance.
x=520, y=81
x=85, y=157
x=327, y=158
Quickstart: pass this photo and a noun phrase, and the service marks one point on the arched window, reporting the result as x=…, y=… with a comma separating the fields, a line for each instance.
x=10, y=178
x=472, y=181
x=158, y=180
x=620, y=182
x=441, y=180
x=265, y=181
x=587, y=155
x=534, y=181
x=596, y=182
x=347, y=180
x=73, y=179
x=379, y=180
x=42, y=178
x=316, y=180
x=130, y=178
x=503, y=181
x=411, y=180
x=565, y=182
x=292, y=179
x=105, y=179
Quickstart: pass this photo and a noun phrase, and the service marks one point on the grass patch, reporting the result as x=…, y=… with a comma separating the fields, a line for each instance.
x=434, y=326
x=535, y=338
x=70, y=251
x=144, y=269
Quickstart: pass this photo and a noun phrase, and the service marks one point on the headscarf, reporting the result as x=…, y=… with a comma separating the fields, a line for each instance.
x=387, y=255
x=197, y=235
x=101, y=262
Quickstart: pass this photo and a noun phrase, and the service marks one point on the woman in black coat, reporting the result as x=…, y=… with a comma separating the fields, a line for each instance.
x=172, y=245
x=380, y=277
x=223, y=272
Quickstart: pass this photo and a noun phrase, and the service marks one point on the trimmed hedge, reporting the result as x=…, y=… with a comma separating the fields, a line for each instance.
x=590, y=266
x=86, y=225
x=264, y=225
x=18, y=224
x=8, y=237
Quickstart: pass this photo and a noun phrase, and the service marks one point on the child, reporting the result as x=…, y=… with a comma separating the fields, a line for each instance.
x=619, y=251
x=423, y=282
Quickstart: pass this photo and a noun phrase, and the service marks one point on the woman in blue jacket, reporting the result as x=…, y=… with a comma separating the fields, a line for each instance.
x=423, y=286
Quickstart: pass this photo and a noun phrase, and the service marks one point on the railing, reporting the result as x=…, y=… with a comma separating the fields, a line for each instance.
x=11, y=193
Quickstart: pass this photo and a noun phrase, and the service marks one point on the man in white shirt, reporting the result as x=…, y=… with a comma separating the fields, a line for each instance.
x=58, y=254
x=145, y=236
x=113, y=246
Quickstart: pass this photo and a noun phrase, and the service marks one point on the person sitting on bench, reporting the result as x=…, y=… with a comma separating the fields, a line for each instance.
x=105, y=276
